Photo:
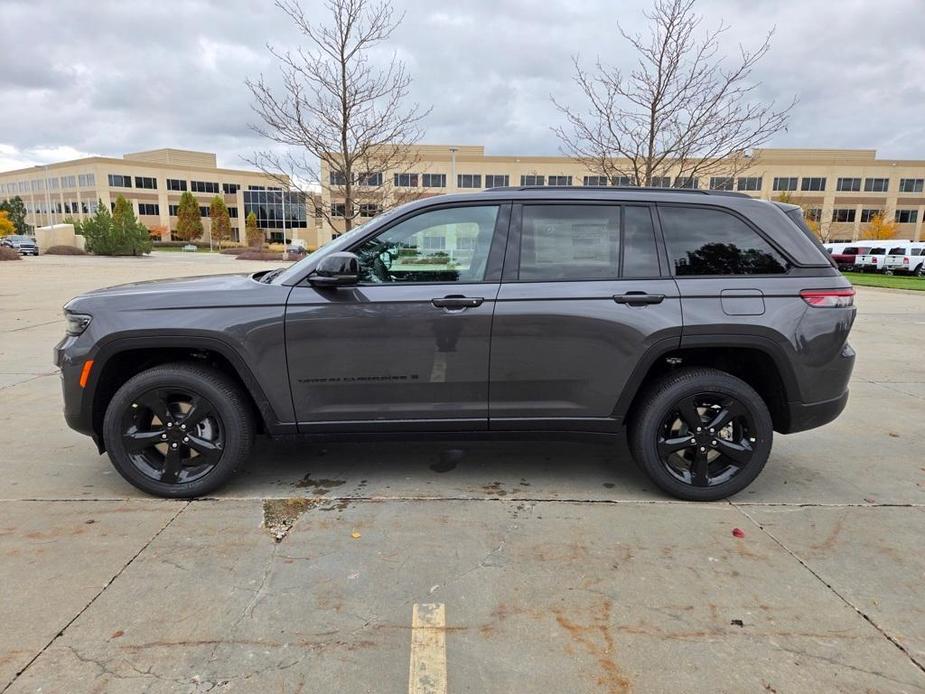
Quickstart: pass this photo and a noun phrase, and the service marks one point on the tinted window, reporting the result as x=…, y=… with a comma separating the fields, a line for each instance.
x=449, y=245
x=570, y=242
x=877, y=251
x=640, y=258
x=712, y=242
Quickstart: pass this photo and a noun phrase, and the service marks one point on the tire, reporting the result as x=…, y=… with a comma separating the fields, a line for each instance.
x=887, y=271
x=200, y=406
x=920, y=270
x=703, y=465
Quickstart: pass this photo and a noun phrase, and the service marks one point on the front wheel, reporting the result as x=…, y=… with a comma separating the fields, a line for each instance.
x=178, y=430
x=701, y=434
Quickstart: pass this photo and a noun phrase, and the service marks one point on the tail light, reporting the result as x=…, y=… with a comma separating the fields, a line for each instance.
x=874, y=260
x=828, y=298
x=905, y=261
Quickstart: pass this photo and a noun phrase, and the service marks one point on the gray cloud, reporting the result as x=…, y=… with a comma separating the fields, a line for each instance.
x=108, y=77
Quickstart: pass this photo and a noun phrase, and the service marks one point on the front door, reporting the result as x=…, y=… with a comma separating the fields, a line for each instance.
x=582, y=300
x=408, y=347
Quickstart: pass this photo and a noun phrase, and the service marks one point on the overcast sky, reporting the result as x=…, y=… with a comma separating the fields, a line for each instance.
x=114, y=76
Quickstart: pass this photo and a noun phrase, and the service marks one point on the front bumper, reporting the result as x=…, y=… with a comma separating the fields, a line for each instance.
x=78, y=402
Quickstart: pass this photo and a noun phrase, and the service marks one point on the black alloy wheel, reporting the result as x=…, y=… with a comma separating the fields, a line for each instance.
x=706, y=439
x=173, y=436
x=179, y=430
x=701, y=434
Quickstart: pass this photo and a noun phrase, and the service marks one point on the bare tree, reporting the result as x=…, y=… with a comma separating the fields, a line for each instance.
x=337, y=109
x=682, y=110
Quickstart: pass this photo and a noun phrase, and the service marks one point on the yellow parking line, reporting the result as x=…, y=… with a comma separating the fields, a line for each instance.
x=428, y=649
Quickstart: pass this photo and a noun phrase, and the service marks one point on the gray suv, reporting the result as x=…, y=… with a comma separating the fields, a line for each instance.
x=697, y=323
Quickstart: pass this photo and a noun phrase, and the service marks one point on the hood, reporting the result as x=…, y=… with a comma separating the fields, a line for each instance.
x=218, y=291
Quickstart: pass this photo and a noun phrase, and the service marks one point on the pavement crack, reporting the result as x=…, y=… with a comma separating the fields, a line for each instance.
x=832, y=589
x=96, y=596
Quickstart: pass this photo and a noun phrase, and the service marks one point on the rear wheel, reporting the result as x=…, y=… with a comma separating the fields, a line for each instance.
x=701, y=434
x=178, y=430
x=920, y=270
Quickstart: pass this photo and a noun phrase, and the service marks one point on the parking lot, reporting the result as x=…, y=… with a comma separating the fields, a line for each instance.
x=526, y=566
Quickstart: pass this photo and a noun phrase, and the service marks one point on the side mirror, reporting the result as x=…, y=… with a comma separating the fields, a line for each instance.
x=336, y=270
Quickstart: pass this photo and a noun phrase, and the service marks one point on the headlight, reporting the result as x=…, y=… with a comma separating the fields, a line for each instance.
x=76, y=323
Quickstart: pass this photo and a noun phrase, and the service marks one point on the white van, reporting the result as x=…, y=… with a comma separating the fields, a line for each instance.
x=903, y=258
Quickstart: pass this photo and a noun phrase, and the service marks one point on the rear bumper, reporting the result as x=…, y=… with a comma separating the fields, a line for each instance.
x=809, y=415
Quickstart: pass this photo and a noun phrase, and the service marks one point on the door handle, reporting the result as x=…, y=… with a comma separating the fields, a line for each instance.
x=456, y=302
x=638, y=298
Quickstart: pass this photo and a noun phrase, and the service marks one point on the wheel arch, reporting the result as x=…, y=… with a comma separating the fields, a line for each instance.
x=755, y=360
x=120, y=359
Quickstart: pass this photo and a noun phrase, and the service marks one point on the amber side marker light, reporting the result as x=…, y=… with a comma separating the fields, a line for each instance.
x=85, y=373
x=828, y=298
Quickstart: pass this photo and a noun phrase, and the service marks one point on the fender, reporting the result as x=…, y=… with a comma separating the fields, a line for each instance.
x=108, y=348
x=664, y=347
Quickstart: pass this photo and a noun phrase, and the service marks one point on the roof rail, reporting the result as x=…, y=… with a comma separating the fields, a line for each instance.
x=643, y=189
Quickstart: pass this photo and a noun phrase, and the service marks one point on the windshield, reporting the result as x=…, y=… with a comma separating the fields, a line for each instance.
x=338, y=244
x=877, y=251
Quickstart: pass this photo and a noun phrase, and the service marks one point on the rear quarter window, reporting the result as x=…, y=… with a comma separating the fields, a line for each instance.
x=703, y=241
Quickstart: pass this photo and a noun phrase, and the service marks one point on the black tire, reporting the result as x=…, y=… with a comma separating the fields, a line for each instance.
x=658, y=426
x=220, y=434
x=920, y=270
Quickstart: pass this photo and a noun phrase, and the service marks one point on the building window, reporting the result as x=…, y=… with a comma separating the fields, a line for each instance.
x=785, y=184
x=338, y=209
x=748, y=183
x=369, y=209
x=813, y=214
x=176, y=184
x=203, y=211
x=813, y=183
x=86, y=180
x=843, y=214
x=335, y=178
x=204, y=186
x=433, y=244
x=848, y=185
x=559, y=181
x=117, y=181
x=430, y=180
x=876, y=185
x=907, y=216
x=469, y=181
x=406, y=180
x=276, y=209
x=595, y=181
x=230, y=188
x=52, y=183
x=371, y=179
x=148, y=208
x=37, y=186
x=233, y=212
x=497, y=180
x=533, y=180
x=867, y=214
x=148, y=182
x=626, y=181
x=69, y=181
x=660, y=182
x=686, y=182
x=911, y=185
x=172, y=210
x=721, y=182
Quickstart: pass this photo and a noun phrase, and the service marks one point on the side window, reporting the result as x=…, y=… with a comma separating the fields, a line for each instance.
x=447, y=245
x=712, y=242
x=640, y=257
x=569, y=242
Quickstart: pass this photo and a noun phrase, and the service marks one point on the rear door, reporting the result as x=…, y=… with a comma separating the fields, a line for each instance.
x=582, y=300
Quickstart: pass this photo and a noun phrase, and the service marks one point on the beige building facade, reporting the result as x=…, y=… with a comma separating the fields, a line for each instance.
x=840, y=189
x=153, y=182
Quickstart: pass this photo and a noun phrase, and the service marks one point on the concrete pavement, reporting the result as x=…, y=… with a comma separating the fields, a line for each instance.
x=558, y=566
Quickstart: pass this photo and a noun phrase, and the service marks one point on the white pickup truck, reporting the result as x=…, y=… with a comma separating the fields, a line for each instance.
x=904, y=259
x=874, y=259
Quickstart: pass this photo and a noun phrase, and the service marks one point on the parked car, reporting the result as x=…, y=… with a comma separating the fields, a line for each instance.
x=906, y=259
x=26, y=245
x=874, y=259
x=698, y=323
x=846, y=258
